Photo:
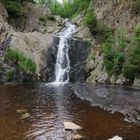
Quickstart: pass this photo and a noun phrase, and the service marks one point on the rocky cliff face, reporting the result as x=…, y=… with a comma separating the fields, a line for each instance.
x=121, y=17
x=35, y=18
x=4, y=39
x=31, y=35
x=78, y=52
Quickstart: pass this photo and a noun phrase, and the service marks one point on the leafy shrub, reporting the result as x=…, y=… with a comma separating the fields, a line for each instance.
x=14, y=7
x=136, y=7
x=45, y=30
x=92, y=56
x=108, y=53
x=98, y=30
x=69, y=8
x=51, y=17
x=91, y=22
x=21, y=61
x=90, y=19
x=42, y=19
x=113, y=59
x=9, y=75
x=132, y=66
x=118, y=62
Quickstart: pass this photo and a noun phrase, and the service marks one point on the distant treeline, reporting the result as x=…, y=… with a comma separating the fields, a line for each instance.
x=68, y=9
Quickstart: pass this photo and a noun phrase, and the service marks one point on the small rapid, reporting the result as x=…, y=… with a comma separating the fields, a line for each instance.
x=62, y=66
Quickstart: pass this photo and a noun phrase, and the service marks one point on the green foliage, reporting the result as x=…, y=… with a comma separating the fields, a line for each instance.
x=45, y=30
x=90, y=19
x=108, y=53
x=14, y=7
x=9, y=75
x=91, y=22
x=92, y=56
x=137, y=2
x=132, y=66
x=98, y=30
x=42, y=19
x=118, y=62
x=50, y=17
x=69, y=8
x=121, y=41
x=21, y=61
x=136, y=7
x=113, y=59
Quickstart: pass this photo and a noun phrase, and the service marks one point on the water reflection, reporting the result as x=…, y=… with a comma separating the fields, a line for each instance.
x=114, y=99
x=50, y=106
x=51, y=111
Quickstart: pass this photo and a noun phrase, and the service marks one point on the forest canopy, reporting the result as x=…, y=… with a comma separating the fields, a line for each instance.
x=67, y=9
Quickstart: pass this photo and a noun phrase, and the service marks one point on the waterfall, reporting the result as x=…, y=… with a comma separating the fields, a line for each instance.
x=62, y=66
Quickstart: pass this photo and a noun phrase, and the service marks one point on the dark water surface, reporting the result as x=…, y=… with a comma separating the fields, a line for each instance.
x=84, y=104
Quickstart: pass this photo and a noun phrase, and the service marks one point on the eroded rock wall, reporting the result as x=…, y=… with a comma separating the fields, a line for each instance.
x=121, y=17
x=31, y=35
x=78, y=53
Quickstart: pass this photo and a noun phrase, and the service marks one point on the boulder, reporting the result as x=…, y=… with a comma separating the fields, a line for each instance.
x=136, y=82
x=71, y=126
x=99, y=74
x=21, y=111
x=77, y=137
x=25, y=116
x=116, y=138
x=121, y=80
x=47, y=116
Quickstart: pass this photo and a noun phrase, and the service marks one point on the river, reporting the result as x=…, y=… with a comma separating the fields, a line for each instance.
x=87, y=105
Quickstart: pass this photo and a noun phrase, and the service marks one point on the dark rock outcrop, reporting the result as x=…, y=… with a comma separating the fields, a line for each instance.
x=33, y=41
x=78, y=52
x=50, y=61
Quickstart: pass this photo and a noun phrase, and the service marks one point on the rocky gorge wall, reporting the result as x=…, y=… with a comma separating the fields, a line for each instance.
x=121, y=18
x=30, y=37
x=78, y=53
x=33, y=35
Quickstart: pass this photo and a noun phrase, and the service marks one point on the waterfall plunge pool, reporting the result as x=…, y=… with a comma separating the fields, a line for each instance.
x=84, y=104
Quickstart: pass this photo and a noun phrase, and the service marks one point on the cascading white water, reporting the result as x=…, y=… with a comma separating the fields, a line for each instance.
x=62, y=66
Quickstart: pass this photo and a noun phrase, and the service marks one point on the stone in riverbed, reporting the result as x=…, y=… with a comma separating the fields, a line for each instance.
x=116, y=138
x=71, y=126
x=78, y=137
x=25, y=116
x=21, y=111
x=47, y=116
